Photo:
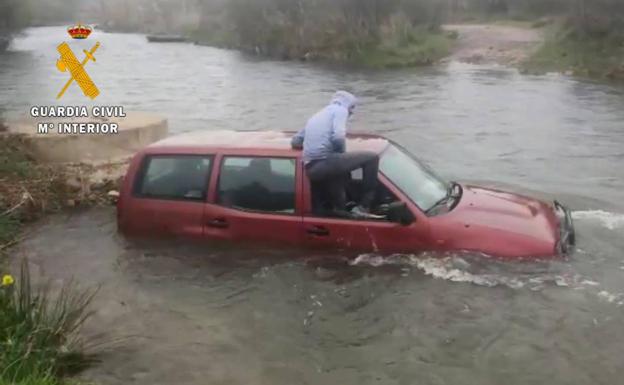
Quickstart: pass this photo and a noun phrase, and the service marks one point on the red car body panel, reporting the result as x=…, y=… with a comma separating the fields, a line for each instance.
x=249, y=226
x=484, y=220
x=376, y=236
x=497, y=223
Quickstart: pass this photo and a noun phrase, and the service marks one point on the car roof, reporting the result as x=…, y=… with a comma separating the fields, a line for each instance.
x=252, y=142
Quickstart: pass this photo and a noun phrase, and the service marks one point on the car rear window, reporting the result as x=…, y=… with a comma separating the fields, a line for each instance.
x=178, y=177
x=258, y=184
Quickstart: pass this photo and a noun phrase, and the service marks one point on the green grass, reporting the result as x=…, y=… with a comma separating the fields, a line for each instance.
x=39, y=341
x=33, y=380
x=27, y=188
x=415, y=49
x=9, y=228
x=565, y=49
x=14, y=165
x=14, y=162
x=215, y=38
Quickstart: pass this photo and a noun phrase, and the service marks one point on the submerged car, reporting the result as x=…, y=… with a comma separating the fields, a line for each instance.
x=251, y=187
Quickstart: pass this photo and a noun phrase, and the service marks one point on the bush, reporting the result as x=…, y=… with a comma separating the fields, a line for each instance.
x=333, y=30
x=416, y=48
x=569, y=49
x=9, y=228
x=33, y=187
x=39, y=341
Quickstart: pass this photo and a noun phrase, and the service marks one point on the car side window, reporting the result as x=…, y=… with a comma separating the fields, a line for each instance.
x=258, y=184
x=174, y=177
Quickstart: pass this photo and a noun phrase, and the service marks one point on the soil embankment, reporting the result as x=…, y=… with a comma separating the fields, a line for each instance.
x=42, y=173
x=492, y=43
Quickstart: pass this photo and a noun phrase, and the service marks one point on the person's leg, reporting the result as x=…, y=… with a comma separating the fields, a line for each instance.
x=337, y=193
x=318, y=196
x=370, y=171
x=368, y=162
x=334, y=168
x=323, y=173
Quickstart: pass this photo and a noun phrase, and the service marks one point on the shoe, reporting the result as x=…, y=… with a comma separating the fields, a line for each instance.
x=383, y=209
x=360, y=212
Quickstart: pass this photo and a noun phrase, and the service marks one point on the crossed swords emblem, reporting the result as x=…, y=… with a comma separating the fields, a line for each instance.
x=68, y=61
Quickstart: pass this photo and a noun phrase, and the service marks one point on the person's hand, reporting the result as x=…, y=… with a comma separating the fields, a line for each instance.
x=296, y=143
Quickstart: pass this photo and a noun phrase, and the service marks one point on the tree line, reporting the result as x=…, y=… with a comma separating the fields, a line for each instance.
x=589, y=16
x=309, y=25
x=297, y=27
x=14, y=15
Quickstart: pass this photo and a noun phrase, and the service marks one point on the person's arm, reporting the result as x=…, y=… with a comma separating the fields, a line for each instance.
x=297, y=141
x=339, y=131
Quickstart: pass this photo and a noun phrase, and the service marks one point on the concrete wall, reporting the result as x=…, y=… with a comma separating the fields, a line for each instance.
x=136, y=131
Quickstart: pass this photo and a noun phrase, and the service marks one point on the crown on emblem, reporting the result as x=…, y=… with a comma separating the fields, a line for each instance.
x=79, y=31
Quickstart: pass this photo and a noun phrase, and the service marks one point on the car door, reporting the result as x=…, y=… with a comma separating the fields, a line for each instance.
x=167, y=196
x=365, y=235
x=255, y=199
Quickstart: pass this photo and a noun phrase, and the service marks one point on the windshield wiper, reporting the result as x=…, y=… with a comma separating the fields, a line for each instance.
x=450, y=196
x=452, y=190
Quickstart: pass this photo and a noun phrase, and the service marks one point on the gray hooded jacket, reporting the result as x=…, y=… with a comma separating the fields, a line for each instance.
x=325, y=132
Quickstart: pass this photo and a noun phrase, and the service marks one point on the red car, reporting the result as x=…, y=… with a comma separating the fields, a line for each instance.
x=251, y=187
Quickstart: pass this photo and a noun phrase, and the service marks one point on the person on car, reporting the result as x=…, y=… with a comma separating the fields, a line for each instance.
x=323, y=140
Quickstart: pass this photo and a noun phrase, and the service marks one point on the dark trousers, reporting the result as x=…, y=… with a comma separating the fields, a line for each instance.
x=332, y=172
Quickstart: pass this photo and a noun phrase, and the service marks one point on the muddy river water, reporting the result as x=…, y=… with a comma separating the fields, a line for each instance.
x=210, y=314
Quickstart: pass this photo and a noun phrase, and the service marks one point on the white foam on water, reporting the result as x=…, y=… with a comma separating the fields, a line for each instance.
x=612, y=298
x=444, y=268
x=479, y=271
x=450, y=268
x=610, y=220
x=482, y=271
x=371, y=260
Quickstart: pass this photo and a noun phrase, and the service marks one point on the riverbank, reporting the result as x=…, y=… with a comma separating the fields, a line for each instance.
x=42, y=174
x=567, y=50
x=538, y=48
x=40, y=340
x=30, y=189
x=39, y=329
x=499, y=43
x=39, y=326
x=410, y=48
x=533, y=47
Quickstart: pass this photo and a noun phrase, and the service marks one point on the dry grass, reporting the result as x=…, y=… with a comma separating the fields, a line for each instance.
x=29, y=189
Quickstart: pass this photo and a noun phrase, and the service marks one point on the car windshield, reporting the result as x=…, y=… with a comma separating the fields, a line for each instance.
x=415, y=179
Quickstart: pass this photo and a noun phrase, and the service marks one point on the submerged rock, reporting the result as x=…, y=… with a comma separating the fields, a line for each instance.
x=616, y=73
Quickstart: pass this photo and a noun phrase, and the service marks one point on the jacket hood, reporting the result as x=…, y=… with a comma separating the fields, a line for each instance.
x=344, y=99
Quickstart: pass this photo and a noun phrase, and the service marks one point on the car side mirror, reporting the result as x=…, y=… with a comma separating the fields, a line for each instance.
x=398, y=212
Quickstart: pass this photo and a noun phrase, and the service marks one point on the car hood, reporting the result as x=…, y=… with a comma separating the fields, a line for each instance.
x=502, y=223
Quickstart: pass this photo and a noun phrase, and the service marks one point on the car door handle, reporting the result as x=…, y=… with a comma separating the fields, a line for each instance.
x=318, y=230
x=219, y=223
